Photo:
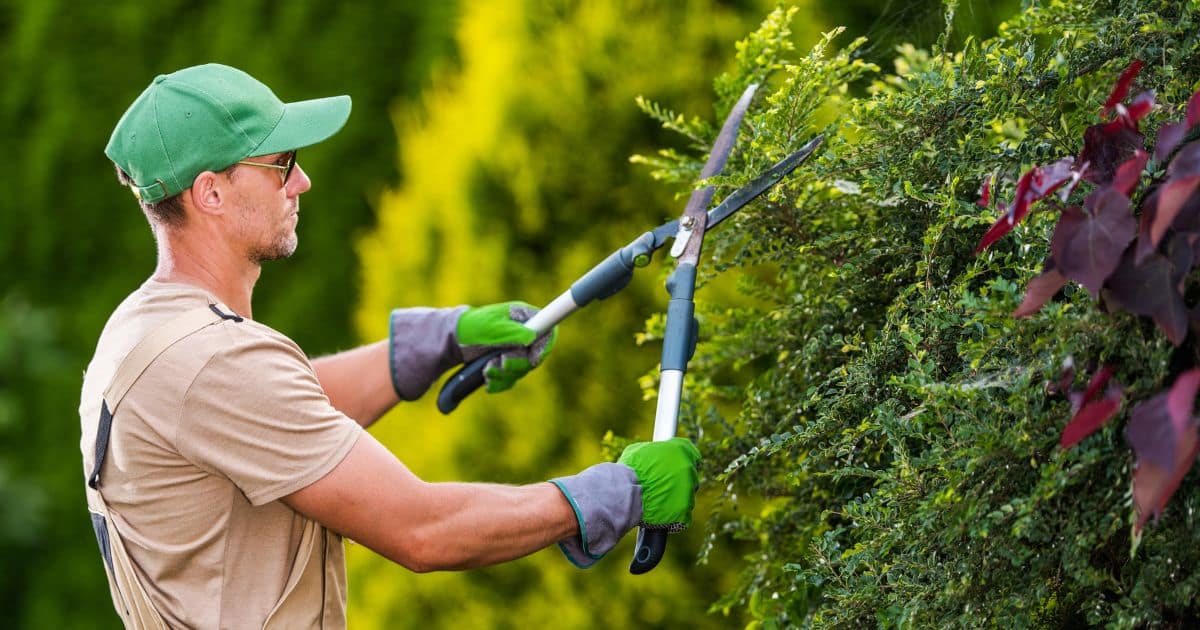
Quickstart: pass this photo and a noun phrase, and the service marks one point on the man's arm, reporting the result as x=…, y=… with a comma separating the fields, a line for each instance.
x=358, y=382
x=372, y=498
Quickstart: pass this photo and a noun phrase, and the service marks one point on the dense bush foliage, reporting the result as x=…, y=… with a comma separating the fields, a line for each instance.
x=886, y=434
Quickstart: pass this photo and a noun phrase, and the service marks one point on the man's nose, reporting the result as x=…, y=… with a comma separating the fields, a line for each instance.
x=299, y=182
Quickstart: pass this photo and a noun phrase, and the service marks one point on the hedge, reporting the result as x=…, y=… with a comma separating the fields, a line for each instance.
x=886, y=434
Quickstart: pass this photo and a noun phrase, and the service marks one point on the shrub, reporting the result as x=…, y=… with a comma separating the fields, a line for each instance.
x=886, y=434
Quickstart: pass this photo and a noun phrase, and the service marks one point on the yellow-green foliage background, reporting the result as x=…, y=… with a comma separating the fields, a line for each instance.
x=517, y=180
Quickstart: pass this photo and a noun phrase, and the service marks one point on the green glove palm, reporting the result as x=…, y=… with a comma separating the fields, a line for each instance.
x=667, y=473
x=498, y=326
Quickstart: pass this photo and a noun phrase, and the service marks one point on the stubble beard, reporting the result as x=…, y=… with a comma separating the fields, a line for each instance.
x=282, y=247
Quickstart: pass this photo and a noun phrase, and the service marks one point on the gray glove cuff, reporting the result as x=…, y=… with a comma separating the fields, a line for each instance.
x=421, y=346
x=607, y=500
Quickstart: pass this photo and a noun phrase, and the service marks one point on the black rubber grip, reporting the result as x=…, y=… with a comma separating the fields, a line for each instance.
x=651, y=544
x=467, y=379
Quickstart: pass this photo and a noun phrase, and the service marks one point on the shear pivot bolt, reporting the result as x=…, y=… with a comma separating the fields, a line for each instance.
x=687, y=222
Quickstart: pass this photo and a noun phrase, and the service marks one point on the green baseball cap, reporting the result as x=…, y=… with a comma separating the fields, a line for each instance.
x=205, y=118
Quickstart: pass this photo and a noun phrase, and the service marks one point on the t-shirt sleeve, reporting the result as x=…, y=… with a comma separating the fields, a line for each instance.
x=256, y=415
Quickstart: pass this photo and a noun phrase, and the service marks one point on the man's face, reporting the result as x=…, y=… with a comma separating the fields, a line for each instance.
x=268, y=207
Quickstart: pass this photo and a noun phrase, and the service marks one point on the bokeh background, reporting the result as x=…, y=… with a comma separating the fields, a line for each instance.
x=487, y=158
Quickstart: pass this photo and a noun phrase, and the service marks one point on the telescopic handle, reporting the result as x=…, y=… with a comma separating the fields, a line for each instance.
x=470, y=377
x=467, y=379
x=651, y=545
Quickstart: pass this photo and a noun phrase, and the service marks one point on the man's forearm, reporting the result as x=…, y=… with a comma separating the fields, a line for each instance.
x=477, y=525
x=358, y=382
x=371, y=497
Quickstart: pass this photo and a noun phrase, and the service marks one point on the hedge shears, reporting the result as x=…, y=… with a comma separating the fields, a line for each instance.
x=614, y=273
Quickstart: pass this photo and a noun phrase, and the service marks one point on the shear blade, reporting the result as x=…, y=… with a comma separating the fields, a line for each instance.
x=744, y=195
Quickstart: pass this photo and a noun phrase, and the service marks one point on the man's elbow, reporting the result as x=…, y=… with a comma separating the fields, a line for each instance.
x=417, y=565
x=426, y=552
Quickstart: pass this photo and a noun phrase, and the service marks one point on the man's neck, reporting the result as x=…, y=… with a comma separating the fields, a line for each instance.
x=229, y=277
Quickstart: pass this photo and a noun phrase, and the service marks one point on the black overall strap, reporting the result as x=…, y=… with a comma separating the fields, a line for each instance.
x=140, y=358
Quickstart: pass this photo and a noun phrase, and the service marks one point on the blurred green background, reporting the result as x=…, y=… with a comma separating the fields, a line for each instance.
x=486, y=159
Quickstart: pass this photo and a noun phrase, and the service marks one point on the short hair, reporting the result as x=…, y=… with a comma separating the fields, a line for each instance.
x=167, y=212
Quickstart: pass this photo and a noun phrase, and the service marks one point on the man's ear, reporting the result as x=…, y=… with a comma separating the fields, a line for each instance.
x=208, y=193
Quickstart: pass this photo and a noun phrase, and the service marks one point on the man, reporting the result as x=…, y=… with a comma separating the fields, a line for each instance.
x=223, y=466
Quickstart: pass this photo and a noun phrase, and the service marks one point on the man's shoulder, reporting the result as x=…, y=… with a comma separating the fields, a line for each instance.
x=154, y=305
x=251, y=349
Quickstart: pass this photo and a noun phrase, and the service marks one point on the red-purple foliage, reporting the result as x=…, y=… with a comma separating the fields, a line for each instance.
x=1193, y=110
x=1091, y=410
x=1040, y=290
x=1121, y=89
x=1034, y=185
x=1162, y=432
x=1087, y=245
x=1136, y=265
x=985, y=193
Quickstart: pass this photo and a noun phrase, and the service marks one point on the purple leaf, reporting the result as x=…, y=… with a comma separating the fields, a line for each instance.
x=1001, y=227
x=1193, y=110
x=1169, y=137
x=1182, y=398
x=1164, y=456
x=1121, y=89
x=1016, y=212
x=1151, y=289
x=1143, y=246
x=985, y=194
x=1069, y=187
x=1186, y=223
x=1150, y=432
x=1130, y=172
x=1099, y=380
x=1087, y=247
x=1153, y=486
x=1171, y=198
x=1188, y=219
x=1047, y=179
x=1089, y=411
x=1088, y=420
x=1040, y=290
x=1186, y=162
x=1105, y=147
x=1181, y=254
x=1035, y=184
x=1137, y=110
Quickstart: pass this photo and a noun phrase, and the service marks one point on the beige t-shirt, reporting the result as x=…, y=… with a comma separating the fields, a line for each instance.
x=219, y=428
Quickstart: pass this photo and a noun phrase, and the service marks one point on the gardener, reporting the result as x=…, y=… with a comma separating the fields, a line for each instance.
x=223, y=466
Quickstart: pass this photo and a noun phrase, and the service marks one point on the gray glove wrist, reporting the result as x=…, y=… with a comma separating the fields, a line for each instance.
x=607, y=500
x=421, y=346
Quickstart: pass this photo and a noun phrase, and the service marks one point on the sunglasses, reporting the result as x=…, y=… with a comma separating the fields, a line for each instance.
x=287, y=167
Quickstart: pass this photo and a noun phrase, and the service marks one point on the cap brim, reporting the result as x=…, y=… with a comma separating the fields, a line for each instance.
x=305, y=123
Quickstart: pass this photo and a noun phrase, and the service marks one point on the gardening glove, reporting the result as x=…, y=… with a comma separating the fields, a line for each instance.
x=486, y=328
x=425, y=342
x=421, y=347
x=653, y=484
